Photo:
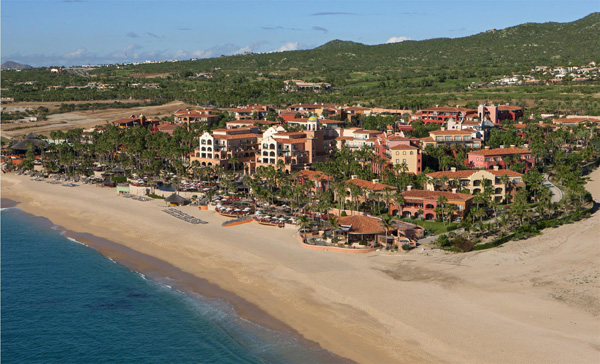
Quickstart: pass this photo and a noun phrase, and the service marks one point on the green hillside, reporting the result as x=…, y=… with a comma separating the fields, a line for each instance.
x=410, y=74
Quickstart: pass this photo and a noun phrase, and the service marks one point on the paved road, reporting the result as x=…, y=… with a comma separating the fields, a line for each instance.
x=557, y=194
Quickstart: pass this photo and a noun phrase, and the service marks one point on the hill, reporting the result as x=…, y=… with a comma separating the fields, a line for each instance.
x=410, y=74
x=10, y=65
x=518, y=47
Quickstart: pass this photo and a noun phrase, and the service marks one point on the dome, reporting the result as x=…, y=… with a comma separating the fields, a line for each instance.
x=313, y=119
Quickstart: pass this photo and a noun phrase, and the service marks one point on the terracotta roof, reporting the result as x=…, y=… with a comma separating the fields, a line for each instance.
x=574, y=120
x=290, y=141
x=362, y=131
x=398, y=137
x=427, y=139
x=464, y=131
x=362, y=224
x=403, y=146
x=314, y=175
x=470, y=172
x=235, y=136
x=373, y=186
x=509, y=107
x=500, y=151
x=448, y=108
x=434, y=195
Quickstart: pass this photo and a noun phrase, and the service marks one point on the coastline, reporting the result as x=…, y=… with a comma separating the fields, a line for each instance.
x=159, y=271
x=369, y=308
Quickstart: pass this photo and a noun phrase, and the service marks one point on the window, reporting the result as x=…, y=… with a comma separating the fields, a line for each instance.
x=466, y=137
x=457, y=138
x=411, y=152
x=404, y=153
x=404, y=161
x=439, y=139
x=397, y=161
x=448, y=138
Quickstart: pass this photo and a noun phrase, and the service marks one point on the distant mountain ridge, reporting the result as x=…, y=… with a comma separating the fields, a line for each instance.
x=10, y=65
x=520, y=46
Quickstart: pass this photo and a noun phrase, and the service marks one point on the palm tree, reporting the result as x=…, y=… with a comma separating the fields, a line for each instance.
x=399, y=201
x=441, y=203
x=303, y=222
x=386, y=222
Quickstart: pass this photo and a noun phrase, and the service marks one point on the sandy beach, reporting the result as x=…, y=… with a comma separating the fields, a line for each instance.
x=533, y=301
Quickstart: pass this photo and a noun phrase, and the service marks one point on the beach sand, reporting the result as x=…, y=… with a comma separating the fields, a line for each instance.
x=533, y=301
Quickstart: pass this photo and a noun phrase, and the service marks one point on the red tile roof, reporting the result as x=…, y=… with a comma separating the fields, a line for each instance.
x=470, y=172
x=500, y=151
x=362, y=224
x=464, y=131
x=403, y=146
x=314, y=175
x=373, y=186
x=434, y=195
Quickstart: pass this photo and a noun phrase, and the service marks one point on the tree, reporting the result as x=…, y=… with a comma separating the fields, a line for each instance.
x=441, y=203
x=304, y=223
x=386, y=222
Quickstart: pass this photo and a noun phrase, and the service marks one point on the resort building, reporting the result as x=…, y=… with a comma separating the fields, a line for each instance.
x=229, y=148
x=324, y=123
x=423, y=204
x=294, y=150
x=496, y=114
x=195, y=116
x=299, y=85
x=368, y=189
x=452, y=137
x=250, y=122
x=488, y=158
x=251, y=112
x=131, y=122
x=475, y=181
x=441, y=114
x=319, y=180
x=356, y=138
x=400, y=151
x=366, y=229
x=572, y=121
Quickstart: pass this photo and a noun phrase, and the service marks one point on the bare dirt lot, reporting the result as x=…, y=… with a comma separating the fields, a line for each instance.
x=81, y=119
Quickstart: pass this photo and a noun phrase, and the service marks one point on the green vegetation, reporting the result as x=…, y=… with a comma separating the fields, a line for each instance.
x=409, y=75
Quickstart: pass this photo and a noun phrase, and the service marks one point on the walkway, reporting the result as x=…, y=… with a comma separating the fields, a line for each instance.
x=557, y=194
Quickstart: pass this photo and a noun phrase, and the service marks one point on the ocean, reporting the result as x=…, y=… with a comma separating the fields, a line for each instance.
x=63, y=302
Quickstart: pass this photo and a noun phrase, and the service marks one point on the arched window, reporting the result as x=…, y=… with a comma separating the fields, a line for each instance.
x=272, y=146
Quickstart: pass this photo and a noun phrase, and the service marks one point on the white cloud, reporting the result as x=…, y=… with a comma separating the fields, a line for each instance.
x=397, y=39
x=126, y=52
x=289, y=46
x=76, y=54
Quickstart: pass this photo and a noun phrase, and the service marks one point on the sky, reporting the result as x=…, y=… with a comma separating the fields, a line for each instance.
x=76, y=32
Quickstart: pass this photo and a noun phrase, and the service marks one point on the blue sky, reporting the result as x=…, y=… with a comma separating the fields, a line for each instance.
x=75, y=32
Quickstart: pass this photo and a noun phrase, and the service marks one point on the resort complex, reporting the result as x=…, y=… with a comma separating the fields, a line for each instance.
x=320, y=167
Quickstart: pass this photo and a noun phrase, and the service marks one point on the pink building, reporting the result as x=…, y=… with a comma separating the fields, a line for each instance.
x=488, y=158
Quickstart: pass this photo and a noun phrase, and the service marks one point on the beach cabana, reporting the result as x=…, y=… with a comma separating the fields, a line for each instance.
x=364, y=228
x=176, y=200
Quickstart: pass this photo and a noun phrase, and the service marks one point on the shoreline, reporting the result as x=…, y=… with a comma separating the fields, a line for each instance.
x=369, y=308
x=157, y=270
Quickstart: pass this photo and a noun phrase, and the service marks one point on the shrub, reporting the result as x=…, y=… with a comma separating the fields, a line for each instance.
x=362, y=242
x=463, y=243
x=443, y=240
x=405, y=247
x=343, y=213
x=119, y=179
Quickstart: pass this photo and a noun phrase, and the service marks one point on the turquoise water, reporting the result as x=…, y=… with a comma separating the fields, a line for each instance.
x=63, y=302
